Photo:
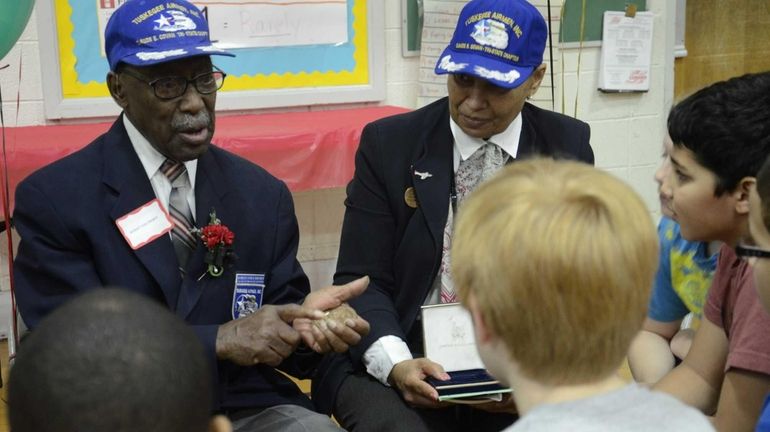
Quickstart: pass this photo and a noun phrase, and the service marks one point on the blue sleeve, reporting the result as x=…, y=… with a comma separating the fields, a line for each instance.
x=763, y=424
x=665, y=304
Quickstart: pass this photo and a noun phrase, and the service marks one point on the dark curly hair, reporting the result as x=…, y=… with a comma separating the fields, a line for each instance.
x=110, y=360
x=727, y=127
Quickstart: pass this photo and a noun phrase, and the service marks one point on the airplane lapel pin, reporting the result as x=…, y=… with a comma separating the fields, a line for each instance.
x=423, y=175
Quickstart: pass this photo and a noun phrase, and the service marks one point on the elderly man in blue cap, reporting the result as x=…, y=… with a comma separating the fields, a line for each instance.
x=152, y=207
x=412, y=173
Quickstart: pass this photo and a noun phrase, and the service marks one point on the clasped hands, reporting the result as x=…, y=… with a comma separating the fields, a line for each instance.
x=324, y=322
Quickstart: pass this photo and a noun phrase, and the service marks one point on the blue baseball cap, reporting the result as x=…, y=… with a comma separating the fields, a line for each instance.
x=501, y=41
x=148, y=32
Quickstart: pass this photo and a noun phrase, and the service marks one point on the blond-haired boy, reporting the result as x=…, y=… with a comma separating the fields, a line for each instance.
x=555, y=261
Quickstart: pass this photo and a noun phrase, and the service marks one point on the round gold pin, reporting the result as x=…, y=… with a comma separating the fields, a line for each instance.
x=410, y=198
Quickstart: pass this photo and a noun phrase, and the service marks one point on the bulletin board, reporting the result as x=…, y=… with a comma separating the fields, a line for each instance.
x=411, y=27
x=288, y=53
x=569, y=31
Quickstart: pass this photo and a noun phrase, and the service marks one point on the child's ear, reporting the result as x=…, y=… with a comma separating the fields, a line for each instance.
x=742, y=193
x=484, y=334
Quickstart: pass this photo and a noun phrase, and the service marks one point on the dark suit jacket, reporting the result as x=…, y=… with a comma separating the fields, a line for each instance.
x=65, y=214
x=400, y=247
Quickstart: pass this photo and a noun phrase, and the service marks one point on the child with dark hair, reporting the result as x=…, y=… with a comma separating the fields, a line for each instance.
x=112, y=360
x=758, y=255
x=679, y=290
x=721, y=136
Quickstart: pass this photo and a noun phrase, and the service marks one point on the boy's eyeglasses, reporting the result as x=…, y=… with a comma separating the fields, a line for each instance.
x=172, y=87
x=751, y=252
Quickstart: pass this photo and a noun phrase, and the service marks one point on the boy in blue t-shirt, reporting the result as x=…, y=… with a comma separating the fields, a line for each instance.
x=684, y=275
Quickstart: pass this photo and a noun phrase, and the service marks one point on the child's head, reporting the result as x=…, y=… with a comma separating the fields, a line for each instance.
x=721, y=135
x=111, y=360
x=555, y=260
x=759, y=225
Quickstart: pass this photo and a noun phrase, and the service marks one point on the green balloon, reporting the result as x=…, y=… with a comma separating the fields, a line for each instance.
x=14, y=15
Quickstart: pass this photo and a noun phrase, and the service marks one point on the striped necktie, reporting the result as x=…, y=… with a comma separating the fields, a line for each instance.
x=480, y=166
x=181, y=234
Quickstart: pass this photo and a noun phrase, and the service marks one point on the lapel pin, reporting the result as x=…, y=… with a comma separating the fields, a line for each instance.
x=423, y=175
x=410, y=197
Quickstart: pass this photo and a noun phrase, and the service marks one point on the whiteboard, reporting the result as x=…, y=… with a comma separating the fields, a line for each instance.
x=293, y=71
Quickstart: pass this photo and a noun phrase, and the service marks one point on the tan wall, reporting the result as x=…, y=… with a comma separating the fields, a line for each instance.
x=724, y=38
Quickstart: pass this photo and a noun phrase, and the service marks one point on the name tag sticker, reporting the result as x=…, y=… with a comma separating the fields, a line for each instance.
x=247, y=295
x=144, y=224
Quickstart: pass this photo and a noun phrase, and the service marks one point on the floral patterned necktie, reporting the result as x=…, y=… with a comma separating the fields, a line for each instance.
x=480, y=166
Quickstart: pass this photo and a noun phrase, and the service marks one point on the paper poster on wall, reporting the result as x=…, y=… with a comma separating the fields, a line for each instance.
x=626, y=52
x=281, y=45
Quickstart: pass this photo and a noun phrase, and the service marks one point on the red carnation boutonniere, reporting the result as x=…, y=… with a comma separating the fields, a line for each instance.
x=219, y=241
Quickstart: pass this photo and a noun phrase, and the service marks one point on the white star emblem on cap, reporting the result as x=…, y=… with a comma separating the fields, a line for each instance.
x=162, y=21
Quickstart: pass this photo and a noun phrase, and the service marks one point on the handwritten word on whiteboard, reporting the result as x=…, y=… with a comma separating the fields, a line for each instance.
x=266, y=23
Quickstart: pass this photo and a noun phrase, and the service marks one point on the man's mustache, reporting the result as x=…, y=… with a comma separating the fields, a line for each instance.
x=185, y=122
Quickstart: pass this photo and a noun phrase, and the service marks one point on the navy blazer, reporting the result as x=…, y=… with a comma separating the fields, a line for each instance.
x=65, y=214
x=398, y=246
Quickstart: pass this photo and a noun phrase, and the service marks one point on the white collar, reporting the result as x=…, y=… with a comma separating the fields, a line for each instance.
x=508, y=139
x=151, y=158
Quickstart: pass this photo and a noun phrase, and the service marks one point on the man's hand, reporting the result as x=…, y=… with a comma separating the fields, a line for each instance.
x=409, y=378
x=332, y=296
x=337, y=331
x=341, y=327
x=266, y=336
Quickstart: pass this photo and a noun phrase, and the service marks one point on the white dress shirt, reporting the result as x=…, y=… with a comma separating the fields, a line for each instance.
x=151, y=160
x=388, y=351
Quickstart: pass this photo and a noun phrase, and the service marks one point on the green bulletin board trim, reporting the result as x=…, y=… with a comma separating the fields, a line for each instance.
x=411, y=27
x=569, y=31
x=415, y=25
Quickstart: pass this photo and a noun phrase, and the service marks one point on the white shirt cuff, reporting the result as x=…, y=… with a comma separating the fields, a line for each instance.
x=383, y=354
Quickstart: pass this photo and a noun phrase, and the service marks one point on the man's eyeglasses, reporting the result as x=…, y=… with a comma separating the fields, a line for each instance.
x=174, y=86
x=751, y=252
